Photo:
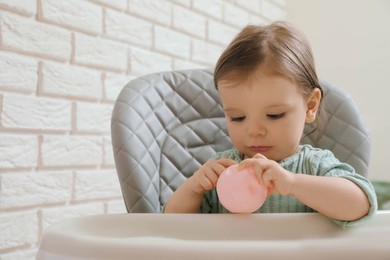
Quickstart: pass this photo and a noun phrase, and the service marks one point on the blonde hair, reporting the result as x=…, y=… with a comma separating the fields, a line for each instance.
x=279, y=47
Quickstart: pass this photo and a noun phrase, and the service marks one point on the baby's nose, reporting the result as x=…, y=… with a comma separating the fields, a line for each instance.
x=257, y=130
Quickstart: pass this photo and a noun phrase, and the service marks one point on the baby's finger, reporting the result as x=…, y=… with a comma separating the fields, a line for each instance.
x=214, y=173
x=247, y=162
x=221, y=165
x=226, y=162
x=218, y=169
x=259, y=155
x=258, y=172
x=267, y=179
x=206, y=183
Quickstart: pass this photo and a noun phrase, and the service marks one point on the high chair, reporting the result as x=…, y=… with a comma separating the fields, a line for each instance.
x=166, y=125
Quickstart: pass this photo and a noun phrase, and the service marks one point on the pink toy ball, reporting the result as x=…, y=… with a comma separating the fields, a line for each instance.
x=240, y=191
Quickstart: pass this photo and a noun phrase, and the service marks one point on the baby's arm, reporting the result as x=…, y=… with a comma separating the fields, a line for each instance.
x=334, y=197
x=188, y=197
x=337, y=198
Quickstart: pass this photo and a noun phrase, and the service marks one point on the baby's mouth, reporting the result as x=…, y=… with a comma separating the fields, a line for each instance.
x=260, y=149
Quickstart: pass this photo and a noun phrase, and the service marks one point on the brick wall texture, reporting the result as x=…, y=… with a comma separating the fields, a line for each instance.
x=62, y=65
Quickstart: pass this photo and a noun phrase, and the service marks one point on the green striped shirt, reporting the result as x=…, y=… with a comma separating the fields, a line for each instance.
x=309, y=160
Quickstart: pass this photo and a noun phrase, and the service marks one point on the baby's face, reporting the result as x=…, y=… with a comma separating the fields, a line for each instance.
x=264, y=114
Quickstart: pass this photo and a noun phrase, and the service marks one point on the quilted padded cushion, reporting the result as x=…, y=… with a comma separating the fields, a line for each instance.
x=165, y=125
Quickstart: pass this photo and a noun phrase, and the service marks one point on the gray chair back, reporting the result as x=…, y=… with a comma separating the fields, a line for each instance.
x=166, y=125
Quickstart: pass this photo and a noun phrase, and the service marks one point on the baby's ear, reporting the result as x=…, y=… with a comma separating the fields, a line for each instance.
x=313, y=104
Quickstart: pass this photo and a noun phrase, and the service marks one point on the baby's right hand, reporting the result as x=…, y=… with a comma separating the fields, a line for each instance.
x=207, y=176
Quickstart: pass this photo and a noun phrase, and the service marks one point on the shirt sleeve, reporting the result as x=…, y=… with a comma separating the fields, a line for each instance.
x=329, y=165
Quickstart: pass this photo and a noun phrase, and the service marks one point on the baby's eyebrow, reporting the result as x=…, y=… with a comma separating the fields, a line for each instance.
x=271, y=106
x=230, y=109
x=278, y=106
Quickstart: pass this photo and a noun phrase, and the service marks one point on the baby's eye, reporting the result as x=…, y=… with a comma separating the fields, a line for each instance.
x=276, y=116
x=237, y=119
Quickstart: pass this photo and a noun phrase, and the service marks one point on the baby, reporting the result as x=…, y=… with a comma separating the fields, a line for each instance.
x=269, y=90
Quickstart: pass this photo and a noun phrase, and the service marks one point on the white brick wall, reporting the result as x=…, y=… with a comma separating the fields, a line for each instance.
x=31, y=188
x=29, y=112
x=29, y=36
x=18, y=151
x=12, y=66
x=67, y=80
x=75, y=14
x=62, y=65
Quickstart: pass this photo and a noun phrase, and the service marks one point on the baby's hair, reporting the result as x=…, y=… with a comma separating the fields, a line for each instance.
x=279, y=48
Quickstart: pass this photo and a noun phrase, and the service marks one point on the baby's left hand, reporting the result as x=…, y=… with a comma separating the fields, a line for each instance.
x=270, y=173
